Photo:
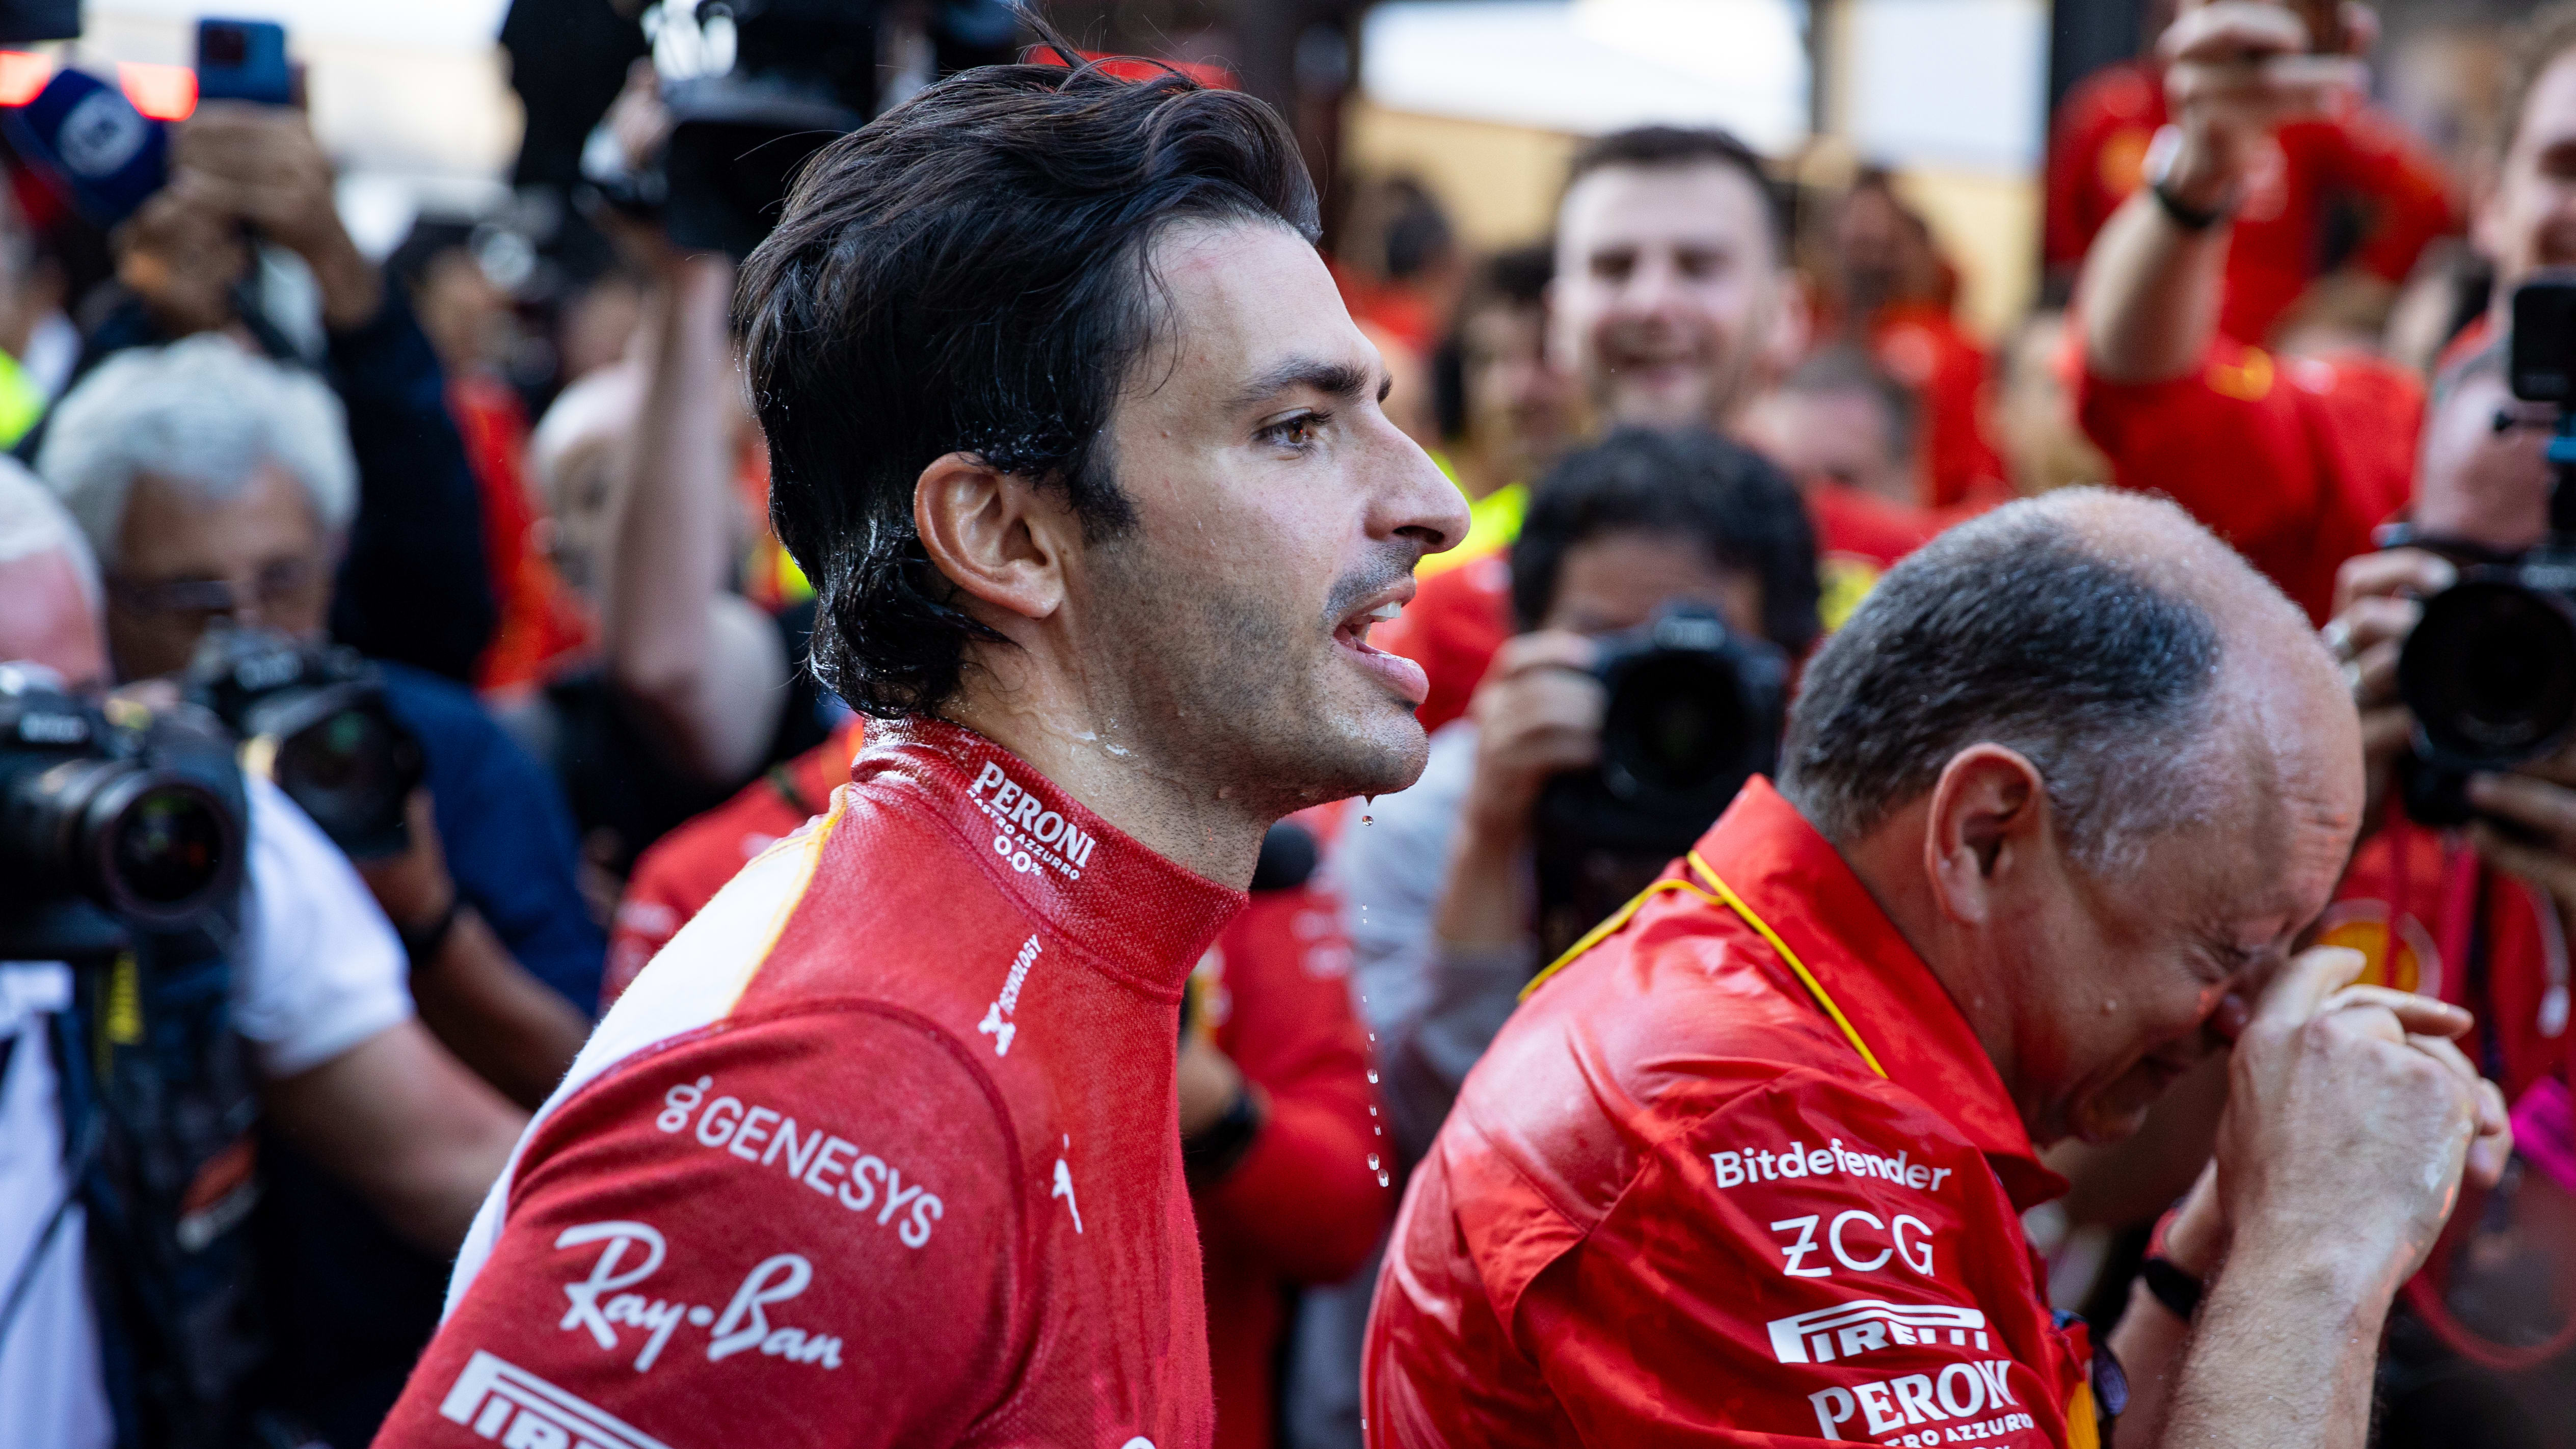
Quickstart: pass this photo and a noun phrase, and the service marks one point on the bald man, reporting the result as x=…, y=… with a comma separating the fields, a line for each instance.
x=2055, y=806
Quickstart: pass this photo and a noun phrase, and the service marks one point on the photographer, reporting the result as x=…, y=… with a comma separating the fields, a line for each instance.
x=2293, y=459
x=129, y=1311
x=2480, y=916
x=214, y=485
x=1439, y=888
x=694, y=688
x=413, y=583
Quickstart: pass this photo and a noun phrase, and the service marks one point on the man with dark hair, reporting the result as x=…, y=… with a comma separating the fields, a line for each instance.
x=2055, y=805
x=1086, y=462
x=1671, y=305
x=1673, y=299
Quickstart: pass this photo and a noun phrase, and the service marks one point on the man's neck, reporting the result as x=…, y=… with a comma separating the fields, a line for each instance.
x=1889, y=862
x=1203, y=829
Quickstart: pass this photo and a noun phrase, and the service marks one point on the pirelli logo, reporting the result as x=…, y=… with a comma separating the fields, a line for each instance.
x=500, y=1400
x=1848, y=1330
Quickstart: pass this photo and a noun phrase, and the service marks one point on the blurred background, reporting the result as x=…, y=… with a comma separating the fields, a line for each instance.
x=471, y=113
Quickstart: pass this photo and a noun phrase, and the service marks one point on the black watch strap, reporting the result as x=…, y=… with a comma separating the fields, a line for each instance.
x=2177, y=1290
x=1209, y=1155
x=424, y=943
x=2189, y=218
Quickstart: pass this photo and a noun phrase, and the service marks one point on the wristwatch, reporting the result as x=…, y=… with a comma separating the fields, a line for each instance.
x=2162, y=152
x=2173, y=1287
x=1210, y=1153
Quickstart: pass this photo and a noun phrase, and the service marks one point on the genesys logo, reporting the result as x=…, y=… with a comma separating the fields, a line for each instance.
x=495, y=1398
x=630, y=1252
x=1032, y=836
x=1866, y=1325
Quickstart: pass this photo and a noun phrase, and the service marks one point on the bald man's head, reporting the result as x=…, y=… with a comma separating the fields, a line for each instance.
x=2089, y=630
x=2111, y=766
x=49, y=589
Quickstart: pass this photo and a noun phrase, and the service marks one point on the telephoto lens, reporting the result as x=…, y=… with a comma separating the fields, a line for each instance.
x=86, y=814
x=2490, y=673
x=314, y=719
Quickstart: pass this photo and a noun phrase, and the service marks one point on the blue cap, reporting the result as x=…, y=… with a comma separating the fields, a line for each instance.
x=89, y=143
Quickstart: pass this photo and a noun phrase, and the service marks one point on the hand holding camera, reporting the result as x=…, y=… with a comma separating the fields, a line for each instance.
x=260, y=166
x=1538, y=714
x=2236, y=71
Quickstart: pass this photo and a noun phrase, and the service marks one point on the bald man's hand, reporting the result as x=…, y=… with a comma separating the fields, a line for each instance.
x=2344, y=1139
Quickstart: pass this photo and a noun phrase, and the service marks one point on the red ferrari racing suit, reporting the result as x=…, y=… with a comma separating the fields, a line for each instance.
x=1677, y=1204
x=879, y=1150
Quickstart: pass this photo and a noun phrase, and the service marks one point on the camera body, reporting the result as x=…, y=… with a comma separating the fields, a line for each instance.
x=111, y=819
x=754, y=87
x=2490, y=669
x=1695, y=710
x=314, y=719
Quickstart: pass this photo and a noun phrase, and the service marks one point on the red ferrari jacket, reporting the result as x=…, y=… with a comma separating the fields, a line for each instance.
x=2097, y=152
x=879, y=1151
x=1677, y=1203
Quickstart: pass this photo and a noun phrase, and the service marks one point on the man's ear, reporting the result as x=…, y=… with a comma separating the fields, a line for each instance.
x=999, y=537
x=1988, y=820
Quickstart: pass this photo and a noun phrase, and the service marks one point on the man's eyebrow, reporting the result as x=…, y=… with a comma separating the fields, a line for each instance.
x=1333, y=379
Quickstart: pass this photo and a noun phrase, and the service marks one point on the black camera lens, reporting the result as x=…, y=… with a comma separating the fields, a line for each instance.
x=2490, y=673
x=165, y=849
x=148, y=845
x=1675, y=725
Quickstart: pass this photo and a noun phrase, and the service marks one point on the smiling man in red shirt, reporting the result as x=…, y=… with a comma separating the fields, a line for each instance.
x=1750, y=1169
x=1086, y=461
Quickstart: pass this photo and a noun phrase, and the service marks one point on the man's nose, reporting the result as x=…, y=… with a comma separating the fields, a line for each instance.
x=1418, y=501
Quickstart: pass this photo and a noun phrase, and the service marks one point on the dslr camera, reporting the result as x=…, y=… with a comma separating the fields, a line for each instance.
x=2490, y=671
x=1695, y=710
x=112, y=818
x=313, y=719
x=754, y=87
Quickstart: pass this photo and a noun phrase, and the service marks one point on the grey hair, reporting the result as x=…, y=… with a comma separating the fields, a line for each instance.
x=202, y=412
x=2012, y=630
x=33, y=524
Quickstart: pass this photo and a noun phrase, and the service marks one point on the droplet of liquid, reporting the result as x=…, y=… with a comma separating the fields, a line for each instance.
x=1372, y=1078
x=1382, y=1180
x=1372, y=1162
x=1372, y=1111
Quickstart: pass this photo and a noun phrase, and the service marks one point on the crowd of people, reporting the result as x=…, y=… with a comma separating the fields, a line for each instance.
x=762, y=522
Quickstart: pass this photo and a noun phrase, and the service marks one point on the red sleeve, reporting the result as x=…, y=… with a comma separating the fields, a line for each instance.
x=809, y=1221
x=2073, y=141
x=2095, y=147
x=2408, y=192
x=2226, y=442
x=1875, y=1293
x=1312, y=1194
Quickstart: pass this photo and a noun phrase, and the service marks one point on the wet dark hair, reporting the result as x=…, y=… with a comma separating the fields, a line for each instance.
x=1670, y=146
x=2011, y=629
x=1689, y=484
x=969, y=273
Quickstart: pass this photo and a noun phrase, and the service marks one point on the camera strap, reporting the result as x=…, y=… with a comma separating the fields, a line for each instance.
x=1719, y=893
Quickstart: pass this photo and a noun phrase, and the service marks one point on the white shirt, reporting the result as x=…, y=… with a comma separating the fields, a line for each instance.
x=320, y=971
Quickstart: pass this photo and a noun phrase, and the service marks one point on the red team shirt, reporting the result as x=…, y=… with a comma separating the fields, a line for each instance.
x=2097, y=153
x=2293, y=460
x=1674, y=1205
x=879, y=1151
